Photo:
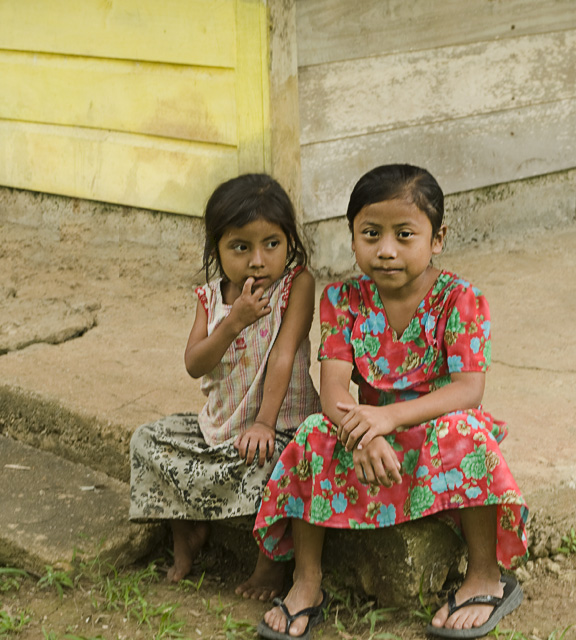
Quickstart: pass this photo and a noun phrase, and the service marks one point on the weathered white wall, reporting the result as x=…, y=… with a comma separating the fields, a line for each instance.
x=480, y=92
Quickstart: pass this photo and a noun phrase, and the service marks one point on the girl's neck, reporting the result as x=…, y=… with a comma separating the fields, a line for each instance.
x=229, y=291
x=400, y=308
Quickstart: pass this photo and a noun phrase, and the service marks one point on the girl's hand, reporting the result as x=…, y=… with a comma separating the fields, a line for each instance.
x=250, y=305
x=362, y=423
x=377, y=464
x=258, y=439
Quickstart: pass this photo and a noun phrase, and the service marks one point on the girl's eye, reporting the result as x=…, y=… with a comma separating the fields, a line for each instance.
x=405, y=234
x=273, y=244
x=240, y=248
x=370, y=233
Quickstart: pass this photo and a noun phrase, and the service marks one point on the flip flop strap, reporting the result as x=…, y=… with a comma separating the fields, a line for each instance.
x=452, y=606
x=291, y=617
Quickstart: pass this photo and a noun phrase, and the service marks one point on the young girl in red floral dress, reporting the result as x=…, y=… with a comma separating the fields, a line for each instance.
x=416, y=341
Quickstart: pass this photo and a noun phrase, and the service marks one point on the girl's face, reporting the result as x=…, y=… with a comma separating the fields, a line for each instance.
x=257, y=250
x=393, y=244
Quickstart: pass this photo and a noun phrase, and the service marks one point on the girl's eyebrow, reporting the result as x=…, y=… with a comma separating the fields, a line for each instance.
x=236, y=240
x=239, y=238
x=371, y=223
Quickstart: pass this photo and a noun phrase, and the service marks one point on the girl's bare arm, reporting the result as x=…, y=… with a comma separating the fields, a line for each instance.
x=295, y=327
x=335, y=377
x=364, y=422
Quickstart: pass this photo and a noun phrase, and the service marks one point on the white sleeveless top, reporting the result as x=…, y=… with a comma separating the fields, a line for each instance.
x=235, y=386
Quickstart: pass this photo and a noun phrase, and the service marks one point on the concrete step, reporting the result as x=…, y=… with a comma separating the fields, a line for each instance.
x=52, y=510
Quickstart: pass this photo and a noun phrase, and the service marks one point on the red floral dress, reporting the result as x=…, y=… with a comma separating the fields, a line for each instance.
x=448, y=463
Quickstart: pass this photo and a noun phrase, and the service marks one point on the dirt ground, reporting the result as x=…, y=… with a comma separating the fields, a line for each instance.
x=104, y=610
x=124, y=366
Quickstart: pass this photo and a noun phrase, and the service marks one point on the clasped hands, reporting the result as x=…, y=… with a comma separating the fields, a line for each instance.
x=375, y=461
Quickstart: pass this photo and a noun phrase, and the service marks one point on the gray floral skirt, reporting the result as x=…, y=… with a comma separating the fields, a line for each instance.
x=176, y=475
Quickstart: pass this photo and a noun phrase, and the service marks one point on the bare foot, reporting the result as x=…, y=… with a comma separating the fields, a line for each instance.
x=473, y=615
x=266, y=582
x=303, y=594
x=189, y=538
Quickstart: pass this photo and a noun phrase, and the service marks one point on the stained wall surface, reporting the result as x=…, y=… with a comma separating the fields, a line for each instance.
x=480, y=92
x=140, y=103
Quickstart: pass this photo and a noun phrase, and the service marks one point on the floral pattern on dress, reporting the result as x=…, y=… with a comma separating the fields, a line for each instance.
x=448, y=463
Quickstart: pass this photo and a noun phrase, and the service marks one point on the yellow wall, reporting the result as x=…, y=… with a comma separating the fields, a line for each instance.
x=135, y=102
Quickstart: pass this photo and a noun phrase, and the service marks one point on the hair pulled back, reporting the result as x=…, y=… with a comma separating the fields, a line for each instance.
x=244, y=199
x=398, y=182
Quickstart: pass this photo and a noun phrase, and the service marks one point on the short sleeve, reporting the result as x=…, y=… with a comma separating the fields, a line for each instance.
x=467, y=333
x=201, y=292
x=336, y=322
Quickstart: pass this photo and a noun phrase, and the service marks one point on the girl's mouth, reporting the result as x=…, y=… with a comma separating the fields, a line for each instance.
x=258, y=282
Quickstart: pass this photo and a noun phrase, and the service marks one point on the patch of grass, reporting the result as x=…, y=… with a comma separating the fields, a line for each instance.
x=355, y=617
x=508, y=634
x=11, y=624
x=241, y=629
x=11, y=579
x=425, y=613
x=568, y=543
x=59, y=580
x=190, y=585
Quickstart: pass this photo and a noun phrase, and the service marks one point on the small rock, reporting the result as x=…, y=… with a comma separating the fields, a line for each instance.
x=539, y=549
x=523, y=574
x=551, y=566
x=554, y=542
x=559, y=557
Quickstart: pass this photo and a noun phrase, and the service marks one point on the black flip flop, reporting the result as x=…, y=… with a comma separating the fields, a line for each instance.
x=315, y=617
x=511, y=599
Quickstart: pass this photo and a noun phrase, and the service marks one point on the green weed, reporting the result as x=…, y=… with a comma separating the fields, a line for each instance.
x=11, y=579
x=425, y=612
x=189, y=585
x=168, y=627
x=59, y=580
x=238, y=629
x=12, y=624
x=112, y=590
x=568, y=542
x=354, y=618
x=508, y=634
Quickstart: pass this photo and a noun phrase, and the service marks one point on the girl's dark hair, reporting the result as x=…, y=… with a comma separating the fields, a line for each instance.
x=398, y=181
x=241, y=200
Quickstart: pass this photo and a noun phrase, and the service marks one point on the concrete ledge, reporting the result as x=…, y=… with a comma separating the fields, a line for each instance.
x=47, y=425
x=54, y=510
x=55, y=515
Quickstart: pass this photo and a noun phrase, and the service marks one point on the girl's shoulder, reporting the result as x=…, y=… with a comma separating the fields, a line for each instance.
x=352, y=288
x=346, y=295
x=450, y=285
x=297, y=277
x=210, y=293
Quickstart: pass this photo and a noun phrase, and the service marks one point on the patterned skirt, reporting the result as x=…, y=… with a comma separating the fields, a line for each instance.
x=176, y=475
x=448, y=464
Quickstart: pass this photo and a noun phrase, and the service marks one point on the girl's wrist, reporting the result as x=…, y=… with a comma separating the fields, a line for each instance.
x=266, y=423
x=234, y=326
x=394, y=416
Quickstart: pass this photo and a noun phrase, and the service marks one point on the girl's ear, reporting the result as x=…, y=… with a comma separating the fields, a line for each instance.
x=438, y=240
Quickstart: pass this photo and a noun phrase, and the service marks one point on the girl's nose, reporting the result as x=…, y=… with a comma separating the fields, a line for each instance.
x=257, y=258
x=386, y=248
